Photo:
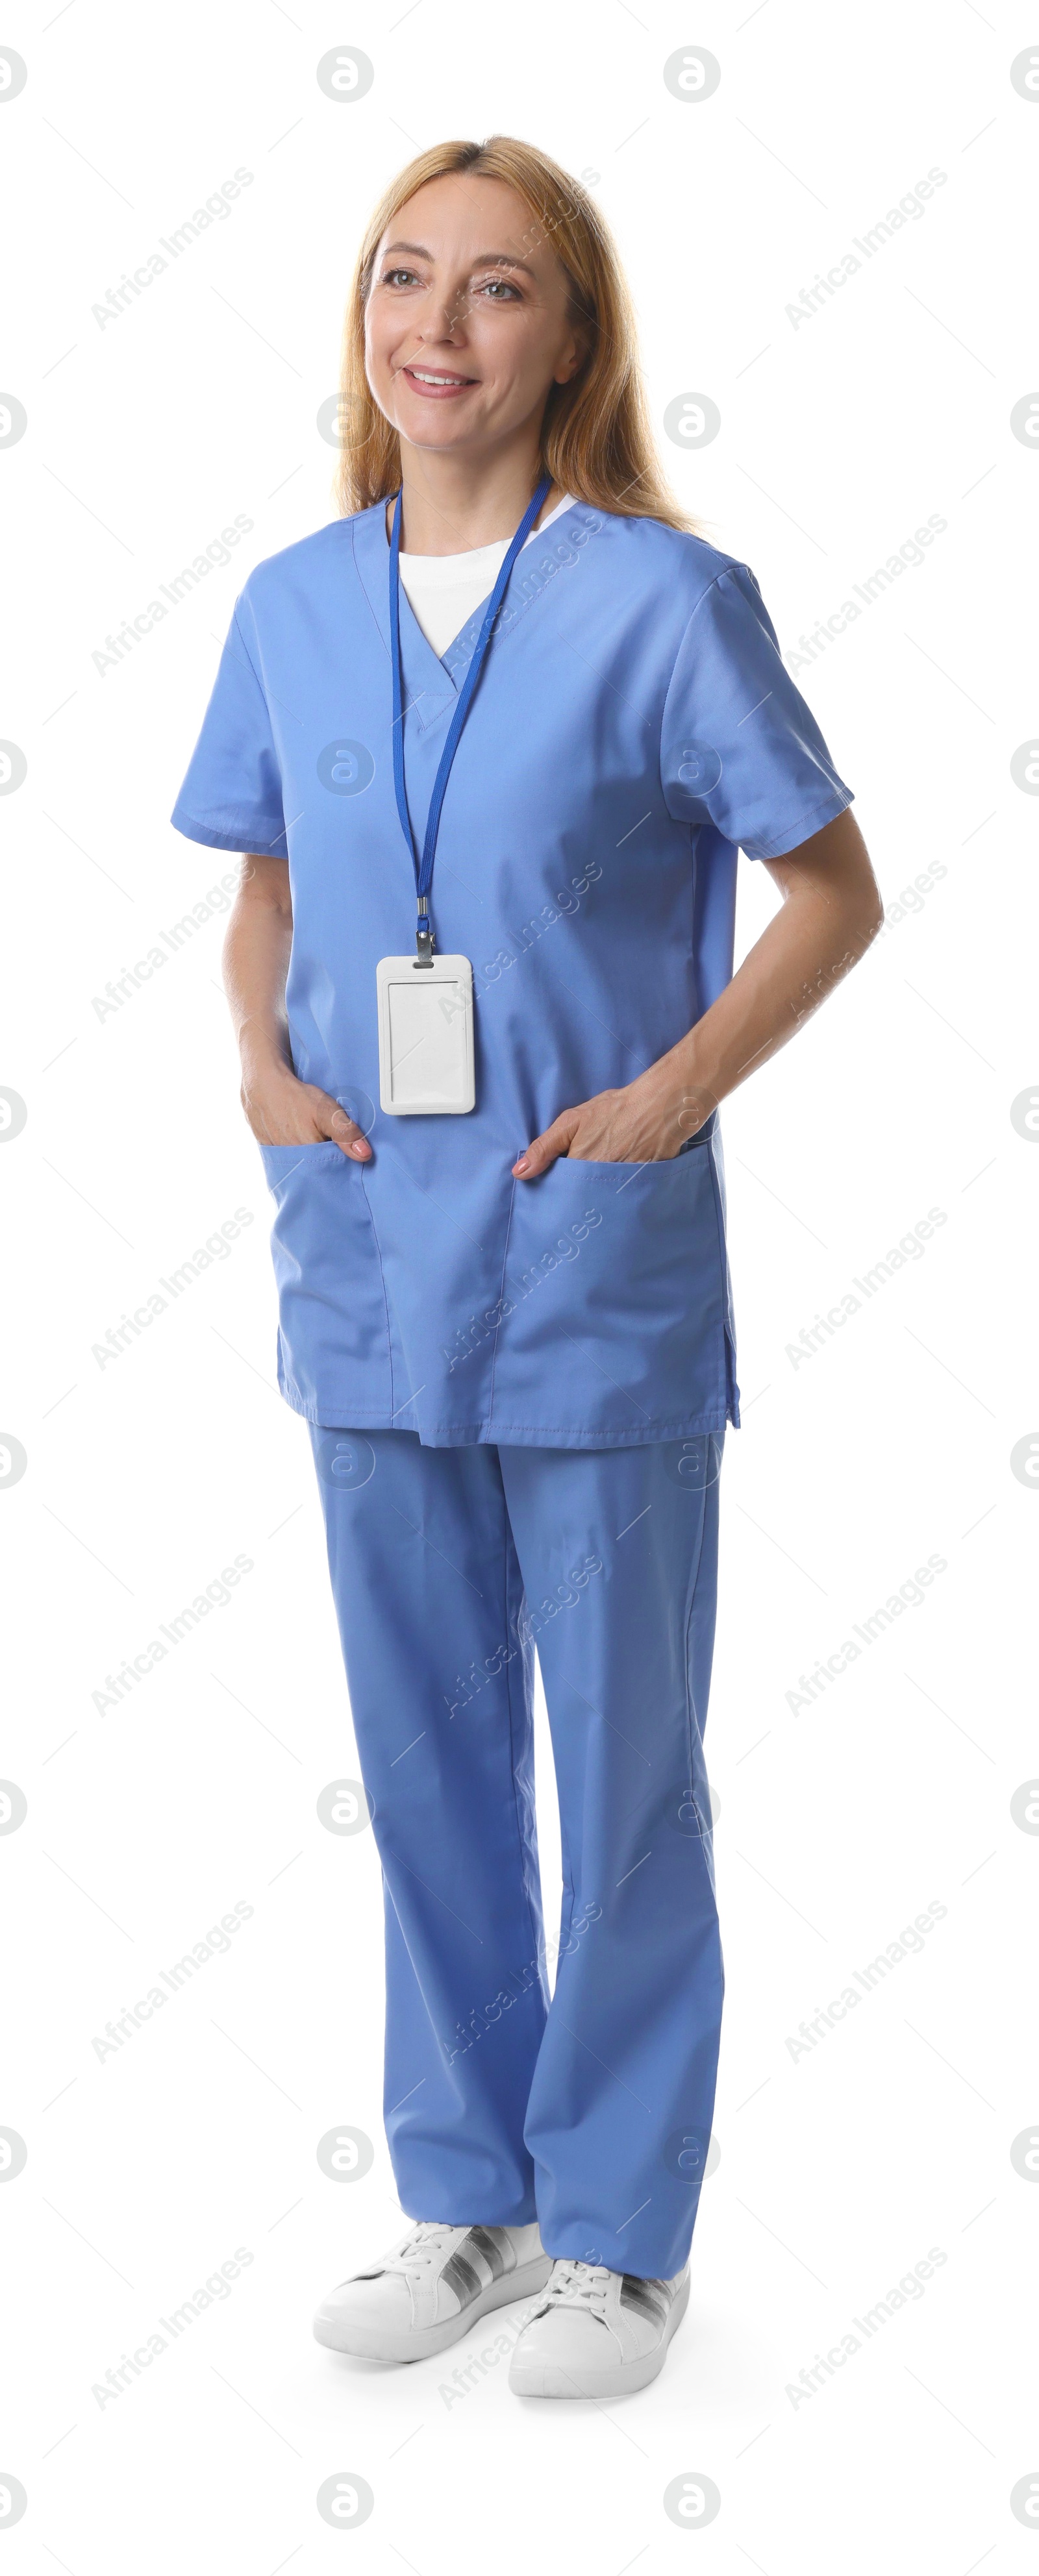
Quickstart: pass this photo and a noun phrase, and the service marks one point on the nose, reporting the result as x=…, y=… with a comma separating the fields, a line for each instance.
x=442, y=323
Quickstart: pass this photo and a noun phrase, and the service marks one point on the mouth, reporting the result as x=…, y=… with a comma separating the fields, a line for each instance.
x=436, y=384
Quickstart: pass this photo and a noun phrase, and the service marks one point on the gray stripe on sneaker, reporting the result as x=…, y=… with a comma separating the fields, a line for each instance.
x=461, y=2277
x=650, y=2299
x=491, y=2253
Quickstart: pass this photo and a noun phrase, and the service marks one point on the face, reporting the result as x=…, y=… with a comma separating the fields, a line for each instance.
x=466, y=326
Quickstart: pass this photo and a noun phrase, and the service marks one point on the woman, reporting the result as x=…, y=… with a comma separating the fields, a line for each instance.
x=505, y=1307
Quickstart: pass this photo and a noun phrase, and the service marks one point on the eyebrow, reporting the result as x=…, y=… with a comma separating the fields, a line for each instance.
x=483, y=259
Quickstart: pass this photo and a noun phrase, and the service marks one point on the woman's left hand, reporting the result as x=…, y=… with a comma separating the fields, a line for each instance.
x=646, y=1122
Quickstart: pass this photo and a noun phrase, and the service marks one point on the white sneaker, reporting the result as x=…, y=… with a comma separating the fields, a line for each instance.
x=430, y=2289
x=597, y=2333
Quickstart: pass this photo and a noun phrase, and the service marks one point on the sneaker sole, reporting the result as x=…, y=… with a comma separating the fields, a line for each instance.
x=418, y=2343
x=550, y=2379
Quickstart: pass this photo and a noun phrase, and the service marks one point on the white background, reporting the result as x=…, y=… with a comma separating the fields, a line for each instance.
x=839, y=1820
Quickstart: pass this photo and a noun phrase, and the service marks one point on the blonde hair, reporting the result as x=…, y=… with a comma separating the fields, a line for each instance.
x=596, y=441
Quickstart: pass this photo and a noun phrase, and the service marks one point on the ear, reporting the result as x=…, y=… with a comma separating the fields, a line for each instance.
x=570, y=366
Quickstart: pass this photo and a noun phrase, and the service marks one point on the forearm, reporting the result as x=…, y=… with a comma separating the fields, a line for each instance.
x=257, y=948
x=798, y=960
x=831, y=910
x=281, y=1109
x=828, y=917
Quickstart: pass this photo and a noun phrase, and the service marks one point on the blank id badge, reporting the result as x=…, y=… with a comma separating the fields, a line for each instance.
x=427, y=1064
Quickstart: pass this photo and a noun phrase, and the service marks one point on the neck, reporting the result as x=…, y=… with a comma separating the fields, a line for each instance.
x=454, y=503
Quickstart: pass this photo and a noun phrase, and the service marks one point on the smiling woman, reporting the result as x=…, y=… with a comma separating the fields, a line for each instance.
x=504, y=1292
x=534, y=294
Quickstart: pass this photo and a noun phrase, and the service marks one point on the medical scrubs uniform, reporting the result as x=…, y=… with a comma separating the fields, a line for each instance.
x=518, y=1391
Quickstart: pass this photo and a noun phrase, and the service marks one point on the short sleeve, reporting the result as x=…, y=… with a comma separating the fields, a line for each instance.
x=739, y=747
x=231, y=796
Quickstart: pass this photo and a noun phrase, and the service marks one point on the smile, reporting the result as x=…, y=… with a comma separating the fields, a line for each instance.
x=431, y=381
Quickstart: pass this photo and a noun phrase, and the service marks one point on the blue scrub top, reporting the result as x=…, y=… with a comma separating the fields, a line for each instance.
x=633, y=725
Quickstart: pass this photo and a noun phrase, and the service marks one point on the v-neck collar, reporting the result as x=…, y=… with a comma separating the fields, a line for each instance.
x=429, y=689
x=431, y=685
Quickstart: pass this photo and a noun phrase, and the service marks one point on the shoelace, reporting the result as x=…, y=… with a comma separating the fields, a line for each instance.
x=573, y=2284
x=419, y=2248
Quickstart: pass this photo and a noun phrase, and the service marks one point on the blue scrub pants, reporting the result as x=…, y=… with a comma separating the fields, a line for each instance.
x=591, y=2112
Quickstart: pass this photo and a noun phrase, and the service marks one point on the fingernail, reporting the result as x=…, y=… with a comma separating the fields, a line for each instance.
x=521, y=1163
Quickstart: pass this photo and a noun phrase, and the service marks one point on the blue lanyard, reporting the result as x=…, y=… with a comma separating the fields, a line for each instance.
x=424, y=869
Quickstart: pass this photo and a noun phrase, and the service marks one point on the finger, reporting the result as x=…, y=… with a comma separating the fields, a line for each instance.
x=545, y=1149
x=345, y=1133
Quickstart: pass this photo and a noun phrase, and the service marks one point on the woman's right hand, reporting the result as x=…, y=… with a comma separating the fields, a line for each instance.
x=281, y=1110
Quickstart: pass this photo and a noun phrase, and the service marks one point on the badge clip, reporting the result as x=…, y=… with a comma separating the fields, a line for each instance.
x=424, y=942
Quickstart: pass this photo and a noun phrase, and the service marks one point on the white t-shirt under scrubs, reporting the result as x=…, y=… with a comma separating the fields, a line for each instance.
x=443, y=590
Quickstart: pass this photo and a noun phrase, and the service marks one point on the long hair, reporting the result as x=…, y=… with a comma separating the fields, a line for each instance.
x=596, y=441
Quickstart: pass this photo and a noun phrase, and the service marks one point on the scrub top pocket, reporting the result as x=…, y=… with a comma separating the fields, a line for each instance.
x=616, y=1295
x=333, y=1339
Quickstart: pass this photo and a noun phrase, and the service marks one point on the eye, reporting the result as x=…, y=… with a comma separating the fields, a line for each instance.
x=499, y=290
x=398, y=277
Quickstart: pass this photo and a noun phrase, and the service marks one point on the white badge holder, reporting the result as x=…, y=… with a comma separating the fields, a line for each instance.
x=427, y=1064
